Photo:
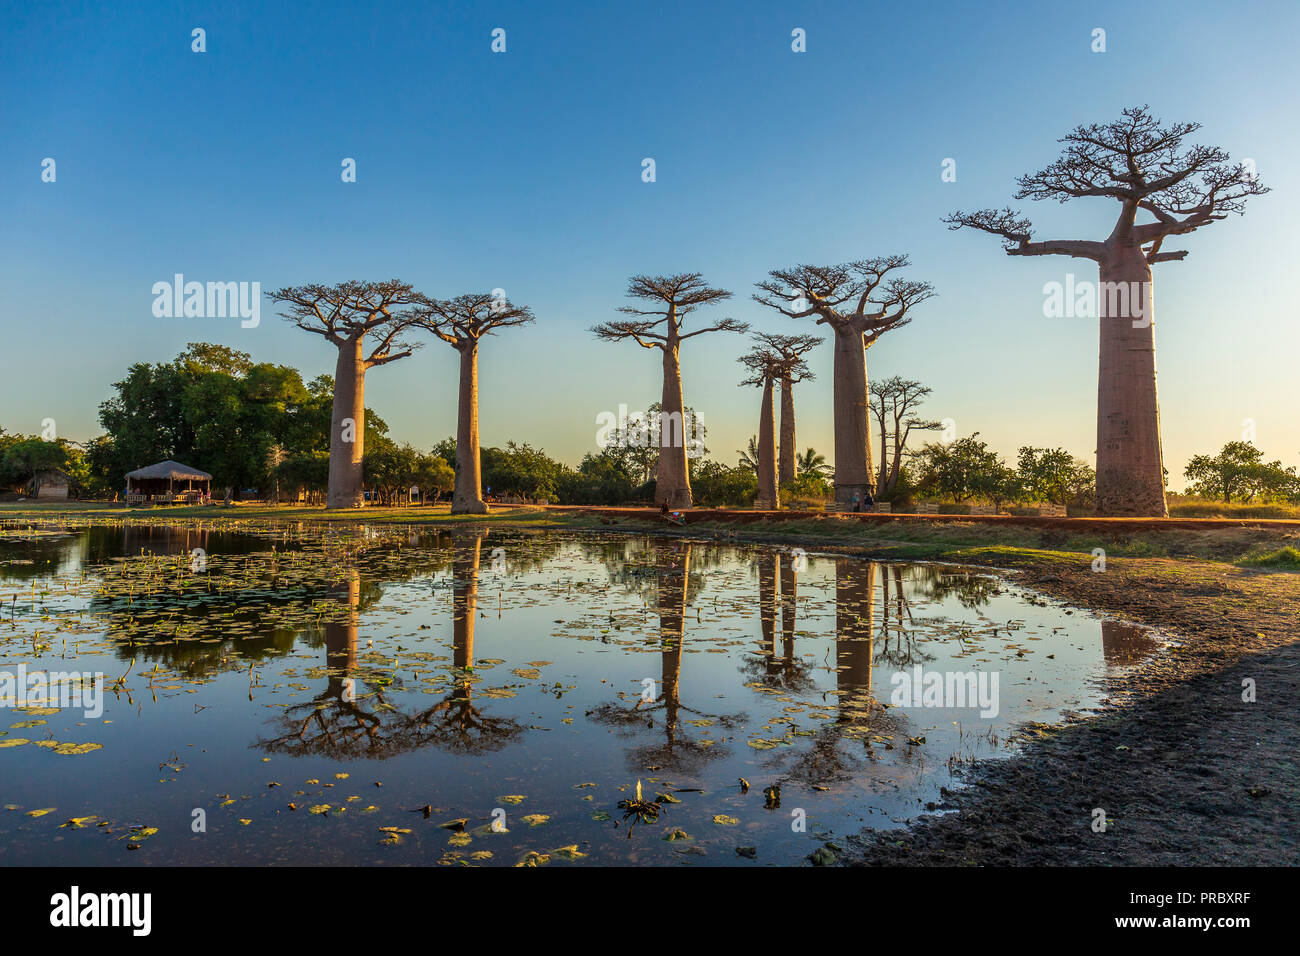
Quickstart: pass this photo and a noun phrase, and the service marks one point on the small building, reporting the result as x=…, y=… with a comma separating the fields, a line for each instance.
x=167, y=482
x=50, y=485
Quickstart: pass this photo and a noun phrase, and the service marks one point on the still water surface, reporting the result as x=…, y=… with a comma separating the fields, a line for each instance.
x=402, y=679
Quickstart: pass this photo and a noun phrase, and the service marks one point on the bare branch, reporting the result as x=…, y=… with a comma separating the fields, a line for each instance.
x=377, y=311
x=679, y=295
x=467, y=318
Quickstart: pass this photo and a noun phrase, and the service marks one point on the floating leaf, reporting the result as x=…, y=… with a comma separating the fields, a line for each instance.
x=72, y=750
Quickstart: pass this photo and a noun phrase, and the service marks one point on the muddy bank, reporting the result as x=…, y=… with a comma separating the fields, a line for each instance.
x=1186, y=772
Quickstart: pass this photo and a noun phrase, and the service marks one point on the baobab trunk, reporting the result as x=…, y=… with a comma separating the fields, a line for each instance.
x=785, y=464
x=468, y=496
x=672, y=480
x=789, y=608
x=768, y=496
x=853, y=469
x=672, y=587
x=1130, y=465
x=768, y=570
x=464, y=570
x=341, y=640
x=348, y=428
x=855, y=622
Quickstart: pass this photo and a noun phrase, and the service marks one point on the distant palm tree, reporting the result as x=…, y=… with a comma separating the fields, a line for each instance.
x=810, y=462
x=749, y=458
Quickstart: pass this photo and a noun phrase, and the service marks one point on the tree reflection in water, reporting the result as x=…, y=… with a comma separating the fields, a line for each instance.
x=839, y=748
x=787, y=672
x=1123, y=644
x=339, y=722
x=679, y=751
x=897, y=640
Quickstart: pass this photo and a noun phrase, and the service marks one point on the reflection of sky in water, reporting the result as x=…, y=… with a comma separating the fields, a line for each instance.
x=290, y=677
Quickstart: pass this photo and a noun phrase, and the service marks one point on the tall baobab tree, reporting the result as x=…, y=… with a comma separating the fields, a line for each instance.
x=860, y=301
x=461, y=322
x=366, y=322
x=1141, y=164
x=761, y=364
x=661, y=328
x=791, y=369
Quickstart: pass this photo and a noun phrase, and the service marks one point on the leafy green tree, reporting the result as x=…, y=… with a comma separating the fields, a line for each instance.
x=603, y=479
x=446, y=450
x=433, y=476
x=520, y=469
x=308, y=472
x=808, y=486
x=1239, y=471
x=389, y=469
x=962, y=469
x=1052, y=474
x=716, y=484
x=216, y=409
x=23, y=457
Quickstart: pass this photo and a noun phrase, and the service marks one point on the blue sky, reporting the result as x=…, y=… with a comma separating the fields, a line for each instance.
x=522, y=171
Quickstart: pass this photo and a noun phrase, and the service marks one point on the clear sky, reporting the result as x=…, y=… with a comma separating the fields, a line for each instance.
x=522, y=170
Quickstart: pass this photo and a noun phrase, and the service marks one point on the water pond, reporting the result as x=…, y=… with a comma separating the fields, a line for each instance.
x=299, y=695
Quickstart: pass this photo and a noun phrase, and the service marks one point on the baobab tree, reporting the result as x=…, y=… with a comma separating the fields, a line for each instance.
x=1141, y=164
x=761, y=364
x=791, y=369
x=367, y=323
x=661, y=328
x=894, y=403
x=860, y=301
x=461, y=323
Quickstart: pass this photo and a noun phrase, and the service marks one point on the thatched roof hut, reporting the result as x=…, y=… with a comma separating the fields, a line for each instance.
x=167, y=480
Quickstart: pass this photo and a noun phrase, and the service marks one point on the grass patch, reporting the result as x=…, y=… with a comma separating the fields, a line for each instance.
x=1009, y=557
x=1199, y=508
x=1283, y=559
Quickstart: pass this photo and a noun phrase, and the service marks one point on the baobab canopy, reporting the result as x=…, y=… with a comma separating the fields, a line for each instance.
x=1143, y=165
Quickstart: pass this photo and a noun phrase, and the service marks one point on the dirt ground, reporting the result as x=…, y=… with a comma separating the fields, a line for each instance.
x=1185, y=770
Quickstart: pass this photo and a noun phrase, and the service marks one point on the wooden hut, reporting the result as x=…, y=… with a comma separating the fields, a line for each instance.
x=167, y=482
x=50, y=485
